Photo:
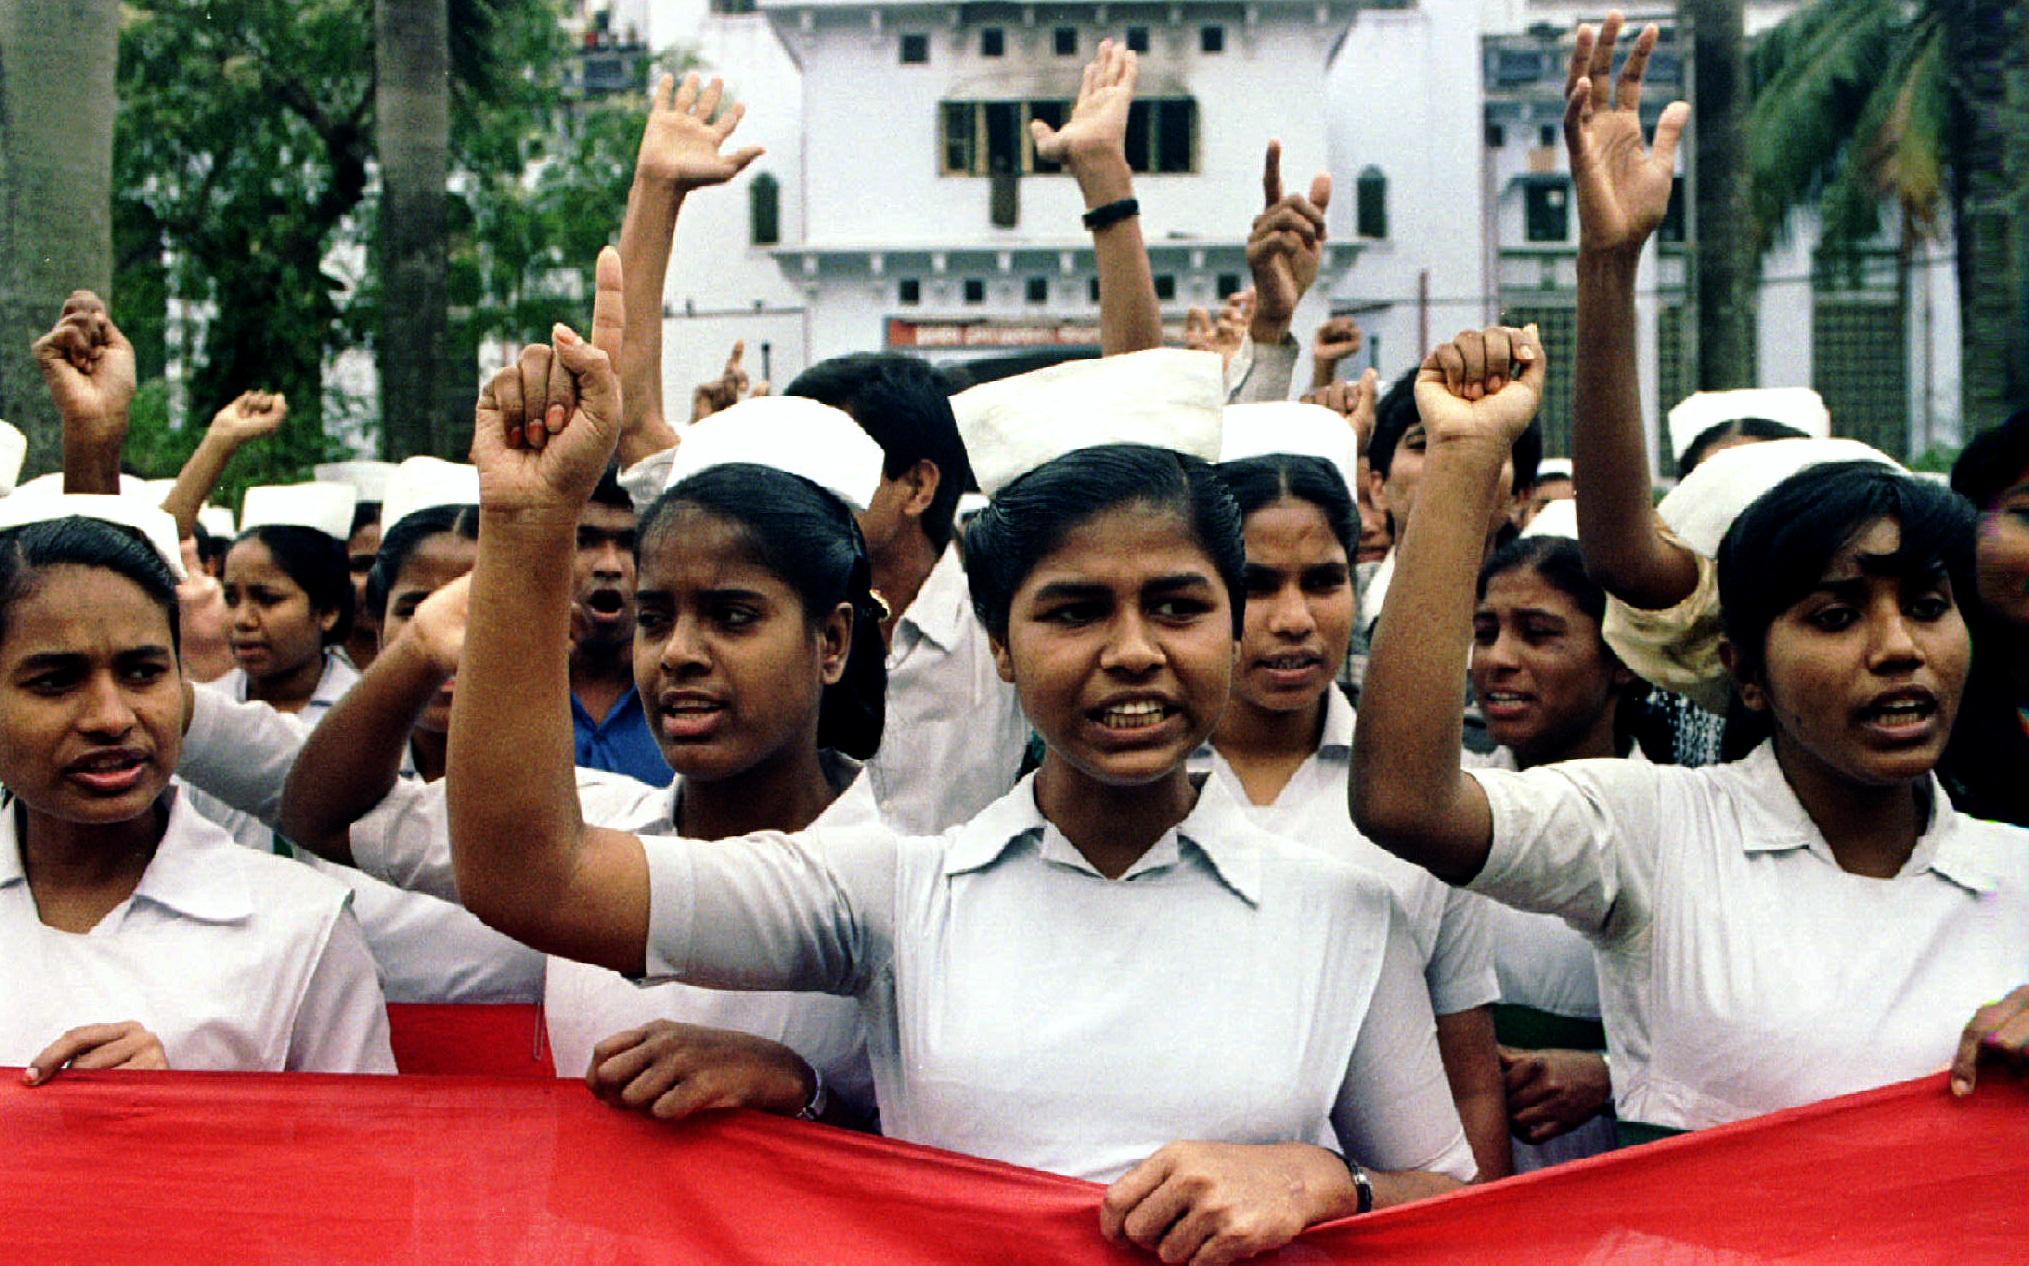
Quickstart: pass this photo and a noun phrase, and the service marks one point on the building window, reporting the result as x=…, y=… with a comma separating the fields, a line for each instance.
x=1037, y=290
x=909, y=291
x=1559, y=328
x=1165, y=287
x=986, y=138
x=1370, y=203
x=1674, y=370
x=1137, y=39
x=1497, y=136
x=992, y=42
x=915, y=50
x=1092, y=289
x=1064, y=41
x=975, y=290
x=764, y=210
x=1546, y=136
x=1228, y=285
x=1211, y=39
x=1672, y=228
x=732, y=6
x=1546, y=212
x=1859, y=352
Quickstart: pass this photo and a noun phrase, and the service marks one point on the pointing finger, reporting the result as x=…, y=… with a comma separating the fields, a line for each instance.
x=1271, y=175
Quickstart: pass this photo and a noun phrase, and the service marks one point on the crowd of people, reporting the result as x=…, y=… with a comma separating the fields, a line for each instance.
x=1273, y=809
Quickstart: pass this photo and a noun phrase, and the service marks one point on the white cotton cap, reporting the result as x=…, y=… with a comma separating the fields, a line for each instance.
x=788, y=433
x=13, y=452
x=327, y=507
x=423, y=483
x=152, y=522
x=218, y=520
x=1294, y=429
x=368, y=479
x=1553, y=468
x=969, y=504
x=1167, y=398
x=1559, y=518
x=1704, y=505
x=1799, y=407
x=51, y=485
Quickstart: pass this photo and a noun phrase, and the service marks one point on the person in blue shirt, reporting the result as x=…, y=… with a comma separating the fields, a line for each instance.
x=611, y=729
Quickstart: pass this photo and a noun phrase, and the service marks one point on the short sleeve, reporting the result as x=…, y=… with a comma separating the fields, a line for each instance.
x=1460, y=973
x=341, y=1023
x=811, y=912
x=1394, y=1110
x=1578, y=840
x=405, y=840
x=644, y=480
x=240, y=753
x=1677, y=647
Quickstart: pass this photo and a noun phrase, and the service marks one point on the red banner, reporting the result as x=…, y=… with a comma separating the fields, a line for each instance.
x=211, y=1168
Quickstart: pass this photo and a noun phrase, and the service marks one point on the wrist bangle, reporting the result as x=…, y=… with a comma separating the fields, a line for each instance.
x=820, y=1098
x=1112, y=213
x=1363, y=1186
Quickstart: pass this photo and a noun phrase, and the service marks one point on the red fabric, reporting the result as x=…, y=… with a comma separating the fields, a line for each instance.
x=480, y=1040
x=179, y=1168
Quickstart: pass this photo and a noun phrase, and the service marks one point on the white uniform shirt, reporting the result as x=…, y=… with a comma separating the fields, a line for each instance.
x=237, y=756
x=1741, y=970
x=407, y=841
x=1021, y=1006
x=236, y=960
x=955, y=734
x=1540, y=961
x=1448, y=925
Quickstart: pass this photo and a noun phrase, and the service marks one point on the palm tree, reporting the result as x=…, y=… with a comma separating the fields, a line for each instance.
x=57, y=102
x=413, y=129
x=1725, y=256
x=1861, y=104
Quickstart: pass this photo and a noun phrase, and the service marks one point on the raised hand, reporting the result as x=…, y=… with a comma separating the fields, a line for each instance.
x=1337, y=339
x=1622, y=185
x=682, y=144
x=438, y=626
x=88, y=365
x=1483, y=384
x=253, y=415
x=671, y=1070
x=1097, y=128
x=1231, y=328
x=1285, y=247
x=1353, y=401
x=124, y=1045
x=545, y=428
x=725, y=391
x=1198, y=331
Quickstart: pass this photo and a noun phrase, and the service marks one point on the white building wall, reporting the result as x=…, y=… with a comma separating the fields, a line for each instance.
x=1405, y=96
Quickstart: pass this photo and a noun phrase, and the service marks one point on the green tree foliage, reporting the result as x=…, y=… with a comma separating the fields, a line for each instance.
x=244, y=187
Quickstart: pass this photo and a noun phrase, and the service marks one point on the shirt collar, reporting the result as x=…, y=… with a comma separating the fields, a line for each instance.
x=943, y=604
x=1339, y=720
x=1216, y=829
x=193, y=871
x=1779, y=823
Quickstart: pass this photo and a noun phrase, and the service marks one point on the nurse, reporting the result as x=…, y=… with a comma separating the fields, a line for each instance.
x=752, y=547
x=133, y=932
x=1812, y=920
x=1284, y=740
x=1019, y=975
x=288, y=589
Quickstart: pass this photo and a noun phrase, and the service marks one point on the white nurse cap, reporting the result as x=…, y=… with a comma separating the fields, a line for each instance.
x=368, y=479
x=789, y=433
x=217, y=520
x=1167, y=398
x=326, y=507
x=1559, y=518
x=13, y=452
x=1553, y=468
x=1704, y=505
x=153, y=522
x=423, y=483
x=1799, y=407
x=1291, y=428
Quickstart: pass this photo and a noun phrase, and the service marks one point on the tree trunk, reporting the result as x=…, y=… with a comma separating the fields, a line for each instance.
x=1984, y=44
x=1724, y=260
x=412, y=53
x=57, y=102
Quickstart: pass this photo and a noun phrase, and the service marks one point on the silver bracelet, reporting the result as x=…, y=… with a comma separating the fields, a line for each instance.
x=820, y=1097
